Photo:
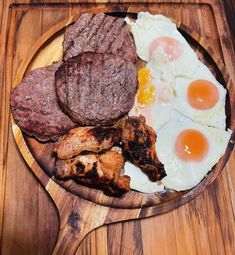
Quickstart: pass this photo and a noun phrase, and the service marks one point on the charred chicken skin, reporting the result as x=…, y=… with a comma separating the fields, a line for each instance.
x=93, y=139
x=101, y=170
x=139, y=147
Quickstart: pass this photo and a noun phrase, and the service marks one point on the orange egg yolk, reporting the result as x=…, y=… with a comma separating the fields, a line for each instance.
x=202, y=94
x=171, y=47
x=144, y=77
x=191, y=145
x=146, y=92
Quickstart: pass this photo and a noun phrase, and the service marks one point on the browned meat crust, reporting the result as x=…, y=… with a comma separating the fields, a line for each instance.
x=139, y=147
x=102, y=171
x=99, y=33
x=94, y=139
x=35, y=108
x=96, y=89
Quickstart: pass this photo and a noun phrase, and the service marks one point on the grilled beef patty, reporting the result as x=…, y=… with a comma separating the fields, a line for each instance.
x=95, y=88
x=99, y=33
x=35, y=107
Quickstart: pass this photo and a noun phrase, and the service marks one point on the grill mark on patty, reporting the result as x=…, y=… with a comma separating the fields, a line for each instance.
x=90, y=83
x=127, y=43
x=100, y=31
x=108, y=28
x=123, y=31
x=70, y=45
x=114, y=39
x=113, y=33
x=66, y=87
x=78, y=33
x=68, y=79
x=73, y=69
x=93, y=27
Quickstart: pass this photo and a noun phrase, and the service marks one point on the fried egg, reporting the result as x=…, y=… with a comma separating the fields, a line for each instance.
x=158, y=39
x=188, y=151
x=201, y=98
x=155, y=96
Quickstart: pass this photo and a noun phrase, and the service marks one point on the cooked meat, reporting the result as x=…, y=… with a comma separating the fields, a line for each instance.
x=96, y=89
x=34, y=105
x=98, y=170
x=94, y=139
x=139, y=147
x=99, y=33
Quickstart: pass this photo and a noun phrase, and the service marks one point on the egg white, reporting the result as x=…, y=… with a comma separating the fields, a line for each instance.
x=215, y=116
x=157, y=113
x=147, y=28
x=183, y=175
x=140, y=181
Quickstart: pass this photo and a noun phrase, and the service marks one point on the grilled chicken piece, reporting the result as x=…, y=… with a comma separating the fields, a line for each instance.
x=94, y=139
x=101, y=170
x=139, y=147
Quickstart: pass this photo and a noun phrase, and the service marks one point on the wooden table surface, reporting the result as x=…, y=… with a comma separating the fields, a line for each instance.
x=28, y=218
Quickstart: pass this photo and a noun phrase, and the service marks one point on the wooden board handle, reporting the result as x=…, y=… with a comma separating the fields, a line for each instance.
x=69, y=243
x=74, y=227
x=78, y=217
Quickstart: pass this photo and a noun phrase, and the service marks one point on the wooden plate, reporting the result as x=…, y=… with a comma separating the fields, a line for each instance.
x=47, y=49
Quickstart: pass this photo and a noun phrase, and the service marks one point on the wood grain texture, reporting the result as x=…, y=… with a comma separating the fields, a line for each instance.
x=206, y=224
x=229, y=7
x=39, y=156
x=79, y=216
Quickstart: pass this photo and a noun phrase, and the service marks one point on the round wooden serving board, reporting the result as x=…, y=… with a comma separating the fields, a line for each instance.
x=82, y=209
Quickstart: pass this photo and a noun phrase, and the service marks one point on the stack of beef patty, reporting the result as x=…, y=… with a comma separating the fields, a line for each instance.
x=94, y=85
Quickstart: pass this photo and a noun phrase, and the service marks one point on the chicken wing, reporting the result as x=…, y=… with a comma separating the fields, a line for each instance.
x=94, y=139
x=139, y=147
x=101, y=170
